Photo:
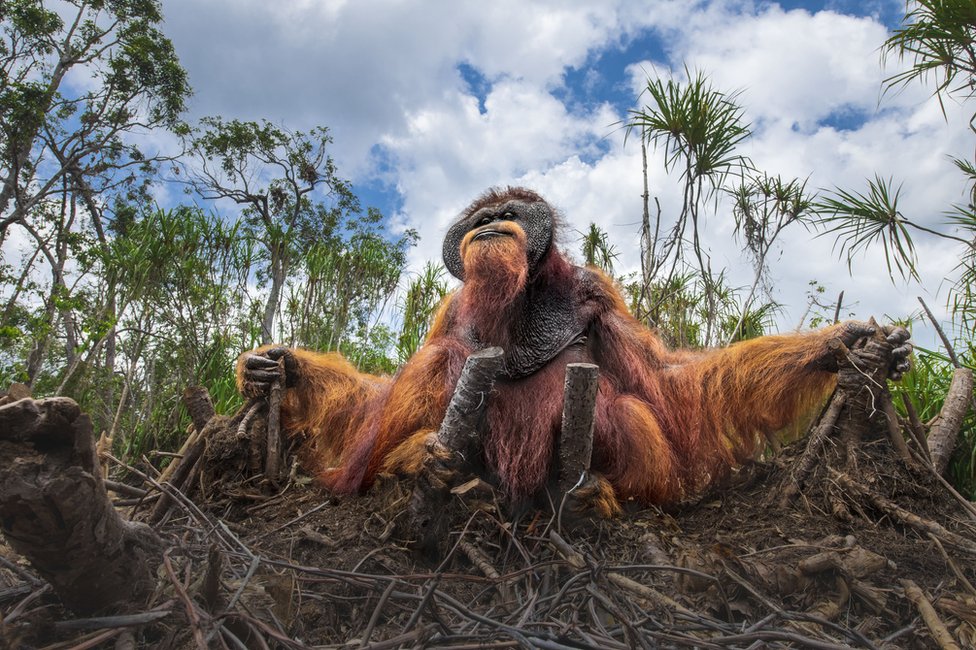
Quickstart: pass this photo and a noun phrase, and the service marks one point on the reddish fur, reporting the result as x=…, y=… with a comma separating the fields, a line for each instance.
x=522, y=429
x=668, y=424
x=496, y=272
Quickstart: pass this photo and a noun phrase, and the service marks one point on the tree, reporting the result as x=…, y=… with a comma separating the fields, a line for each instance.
x=301, y=214
x=937, y=38
x=187, y=272
x=763, y=207
x=69, y=154
x=597, y=250
x=80, y=138
x=422, y=297
x=271, y=172
x=698, y=129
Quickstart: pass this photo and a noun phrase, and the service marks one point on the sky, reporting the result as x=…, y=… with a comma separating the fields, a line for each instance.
x=430, y=103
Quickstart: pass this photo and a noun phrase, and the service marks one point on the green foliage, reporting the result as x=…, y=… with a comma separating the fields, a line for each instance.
x=191, y=271
x=698, y=129
x=342, y=283
x=763, y=206
x=55, y=137
x=597, y=250
x=681, y=318
x=697, y=126
x=748, y=324
x=421, y=299
x=937, y=36
x=860, y=221
x=308, y=223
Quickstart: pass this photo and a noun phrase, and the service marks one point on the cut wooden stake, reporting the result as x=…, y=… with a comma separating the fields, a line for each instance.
x=576, y=439
x=272, y=459
x=915, y=428
x=459, y=429
x=199, y=405
x=456, y=443
x=894, y=429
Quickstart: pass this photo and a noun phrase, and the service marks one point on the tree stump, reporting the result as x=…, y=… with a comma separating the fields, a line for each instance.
x=457, y=442
x=55, y=511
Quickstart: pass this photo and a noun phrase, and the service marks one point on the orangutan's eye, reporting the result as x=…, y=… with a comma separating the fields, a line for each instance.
x=484, y=221
x=509, y=216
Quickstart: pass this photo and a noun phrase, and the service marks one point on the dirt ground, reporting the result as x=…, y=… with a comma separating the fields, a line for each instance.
x=739, y=568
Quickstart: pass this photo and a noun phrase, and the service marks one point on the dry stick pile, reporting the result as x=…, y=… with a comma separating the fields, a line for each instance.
x=849, y=540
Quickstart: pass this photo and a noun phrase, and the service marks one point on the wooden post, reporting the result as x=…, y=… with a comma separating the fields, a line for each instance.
x=576, y=439
x=199, y=405
x=272, y=458
x=944, y=432
x=459, y=429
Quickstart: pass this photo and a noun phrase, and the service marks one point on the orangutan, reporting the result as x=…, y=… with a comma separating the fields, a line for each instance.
x=668, y=424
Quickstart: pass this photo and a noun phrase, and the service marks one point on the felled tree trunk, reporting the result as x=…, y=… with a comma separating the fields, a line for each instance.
x=55, y=511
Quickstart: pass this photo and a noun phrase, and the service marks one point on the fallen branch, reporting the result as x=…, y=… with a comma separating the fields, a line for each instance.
x=902, y=515
x=942, y=335
x=812, y=452
x=200, y=406
x=931, y=618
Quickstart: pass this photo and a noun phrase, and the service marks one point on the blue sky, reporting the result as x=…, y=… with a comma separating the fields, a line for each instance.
x=432, y=102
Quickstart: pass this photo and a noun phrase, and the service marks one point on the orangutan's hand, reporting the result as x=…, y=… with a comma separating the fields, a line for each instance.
x=593, y=497
x=257, y=371
x=852, y=333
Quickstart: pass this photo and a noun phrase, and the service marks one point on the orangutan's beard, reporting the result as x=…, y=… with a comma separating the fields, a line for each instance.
x=495, y=274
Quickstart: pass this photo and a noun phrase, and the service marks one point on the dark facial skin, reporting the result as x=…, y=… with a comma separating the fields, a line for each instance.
x=533, y=216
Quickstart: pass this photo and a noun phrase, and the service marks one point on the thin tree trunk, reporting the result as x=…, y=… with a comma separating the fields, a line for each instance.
x=748, y=300
x=274, y=297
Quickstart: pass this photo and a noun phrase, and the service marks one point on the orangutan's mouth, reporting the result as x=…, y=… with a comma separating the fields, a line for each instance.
x=491, y=232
